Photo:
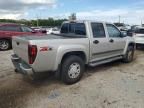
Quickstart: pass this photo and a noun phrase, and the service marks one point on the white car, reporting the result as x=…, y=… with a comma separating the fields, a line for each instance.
x=122, y=26
x=53, y=31
x=139, y=36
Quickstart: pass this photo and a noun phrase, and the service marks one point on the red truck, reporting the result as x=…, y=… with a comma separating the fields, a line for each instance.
x=8, y=30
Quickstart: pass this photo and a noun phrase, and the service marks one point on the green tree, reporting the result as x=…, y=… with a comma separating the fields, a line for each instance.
x=42, y=22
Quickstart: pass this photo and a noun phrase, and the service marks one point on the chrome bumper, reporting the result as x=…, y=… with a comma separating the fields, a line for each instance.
x=21, y=66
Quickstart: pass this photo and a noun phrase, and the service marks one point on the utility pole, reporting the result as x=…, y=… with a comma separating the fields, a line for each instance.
x=37, y=21
x=119, y=18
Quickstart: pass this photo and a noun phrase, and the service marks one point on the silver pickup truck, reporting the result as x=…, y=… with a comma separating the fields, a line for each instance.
x=79, y=43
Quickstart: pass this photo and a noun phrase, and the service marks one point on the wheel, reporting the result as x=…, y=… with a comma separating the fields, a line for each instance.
x=129, y=55
x=138, y=46
x=4, y=45
x=72, y=69
x=16, y=71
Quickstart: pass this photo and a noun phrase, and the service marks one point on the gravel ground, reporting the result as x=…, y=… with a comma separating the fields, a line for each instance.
x=113, y=85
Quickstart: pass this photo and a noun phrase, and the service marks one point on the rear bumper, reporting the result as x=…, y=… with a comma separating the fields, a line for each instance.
x=21, y=66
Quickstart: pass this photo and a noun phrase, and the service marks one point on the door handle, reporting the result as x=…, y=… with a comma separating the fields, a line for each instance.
x=96, y=42
x=111, y=41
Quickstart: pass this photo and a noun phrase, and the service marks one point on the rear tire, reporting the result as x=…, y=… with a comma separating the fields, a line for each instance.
x=129, y=55
x=72, y=69
x=4, y=45
x=16, y=71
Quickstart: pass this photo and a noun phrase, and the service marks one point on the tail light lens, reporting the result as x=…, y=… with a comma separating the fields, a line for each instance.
x=32, y=53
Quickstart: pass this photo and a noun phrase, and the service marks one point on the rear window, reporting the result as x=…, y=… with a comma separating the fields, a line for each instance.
x=98, y=30
x=74, y=28
x=26, y=29
x=140, y=31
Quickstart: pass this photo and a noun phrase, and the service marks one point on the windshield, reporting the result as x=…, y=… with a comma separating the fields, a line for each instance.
x=26, y=29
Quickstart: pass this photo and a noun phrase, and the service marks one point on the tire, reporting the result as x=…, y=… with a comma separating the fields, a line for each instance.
x=137, y=46
x=129, y=55
x=4, y=45
x=72, y=69
x=16, y=71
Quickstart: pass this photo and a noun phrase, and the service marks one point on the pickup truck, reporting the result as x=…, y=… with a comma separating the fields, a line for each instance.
x=79, y=43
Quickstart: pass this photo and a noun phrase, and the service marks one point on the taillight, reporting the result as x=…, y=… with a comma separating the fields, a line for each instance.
x=32, y=53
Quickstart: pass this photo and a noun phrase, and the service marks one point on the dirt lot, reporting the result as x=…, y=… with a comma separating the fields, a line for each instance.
x=114, y=85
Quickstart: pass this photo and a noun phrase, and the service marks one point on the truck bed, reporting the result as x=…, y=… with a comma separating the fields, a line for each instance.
x=43, y=37
x=51, y=36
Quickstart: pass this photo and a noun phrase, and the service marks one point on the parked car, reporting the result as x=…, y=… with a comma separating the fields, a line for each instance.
x=138, y=35
x=122, y=26
x=8, y=30
x=80, y=43
x=127, y=27
x=53, y=31
x=133, y=28
x=39, y=29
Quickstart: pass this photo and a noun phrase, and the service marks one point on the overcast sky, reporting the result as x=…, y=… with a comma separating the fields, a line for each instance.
x=131, y=11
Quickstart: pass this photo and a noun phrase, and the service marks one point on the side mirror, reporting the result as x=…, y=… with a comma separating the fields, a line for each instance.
x=123, y=34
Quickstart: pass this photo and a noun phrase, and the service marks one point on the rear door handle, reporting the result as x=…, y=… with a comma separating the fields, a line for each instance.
x=96, y=42
x=111, y=41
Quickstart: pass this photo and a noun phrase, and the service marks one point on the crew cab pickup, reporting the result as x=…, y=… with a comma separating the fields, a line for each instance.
x=79, y=43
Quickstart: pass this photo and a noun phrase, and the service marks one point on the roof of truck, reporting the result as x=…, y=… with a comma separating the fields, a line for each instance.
x=82, y=21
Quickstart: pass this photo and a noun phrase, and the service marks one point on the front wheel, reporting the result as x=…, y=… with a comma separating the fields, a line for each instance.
x=4, y=45
x=72, y=69
x=129, y=55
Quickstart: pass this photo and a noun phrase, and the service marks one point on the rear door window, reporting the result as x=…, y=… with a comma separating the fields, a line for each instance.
x=98, y=30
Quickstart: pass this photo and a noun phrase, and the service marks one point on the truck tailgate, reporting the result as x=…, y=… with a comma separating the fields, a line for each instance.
x=20, y=47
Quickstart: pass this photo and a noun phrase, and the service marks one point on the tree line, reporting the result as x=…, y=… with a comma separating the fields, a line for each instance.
x=38, y=22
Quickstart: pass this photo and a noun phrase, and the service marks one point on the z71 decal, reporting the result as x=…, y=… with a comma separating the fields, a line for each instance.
x=45, y=49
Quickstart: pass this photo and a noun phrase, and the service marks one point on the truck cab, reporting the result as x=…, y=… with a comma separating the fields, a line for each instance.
x=106, y=40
